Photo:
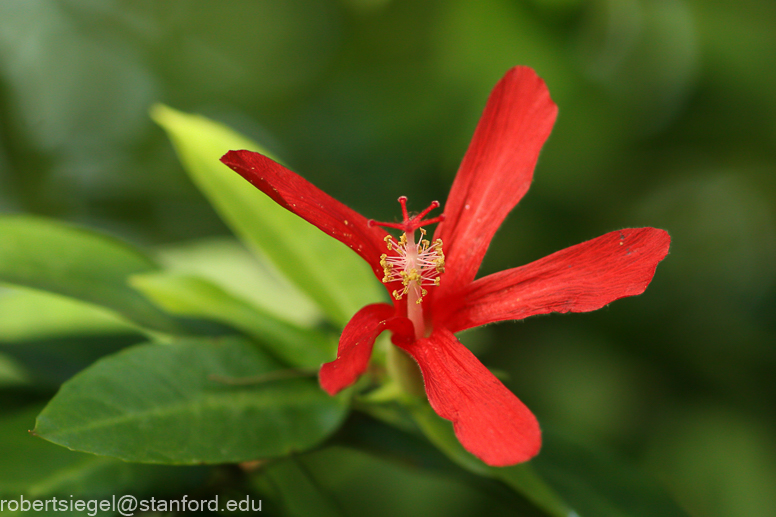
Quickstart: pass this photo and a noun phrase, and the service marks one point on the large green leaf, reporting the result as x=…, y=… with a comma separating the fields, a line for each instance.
x=330, y=273
x=179, y=404
x=36, y=469
x=78, y=263
x=192, y=296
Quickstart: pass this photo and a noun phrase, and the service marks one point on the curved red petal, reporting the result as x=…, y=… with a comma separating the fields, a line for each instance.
x=488, y=419
x=301, y=197
x=495, y=173
x=355, y=345
x=581, y=278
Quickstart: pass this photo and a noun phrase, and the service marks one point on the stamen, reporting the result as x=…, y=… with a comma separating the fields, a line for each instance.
x=414, y=265
x=414, y=268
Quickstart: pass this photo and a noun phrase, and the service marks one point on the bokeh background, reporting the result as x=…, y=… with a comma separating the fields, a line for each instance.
x=667, y=119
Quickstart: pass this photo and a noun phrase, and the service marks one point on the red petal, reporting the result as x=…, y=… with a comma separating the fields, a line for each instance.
x=581, y=278
x=355, y=345
x=495, y=173
x=488, y=419
x=301, y=197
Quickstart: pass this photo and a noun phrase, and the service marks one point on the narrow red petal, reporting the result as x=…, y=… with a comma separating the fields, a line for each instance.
x=495, y=173
x=356, y=342
x=488, y=419
x=301, y=197
x=581, y=278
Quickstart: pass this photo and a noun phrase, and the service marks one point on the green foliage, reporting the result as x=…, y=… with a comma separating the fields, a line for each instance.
x=196, y=297
x=184, y=403
x=666, y=120
x=325, y=269
x=37, y=469
x=86, y=265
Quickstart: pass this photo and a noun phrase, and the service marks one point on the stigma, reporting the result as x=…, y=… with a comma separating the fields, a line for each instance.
x=415, y=265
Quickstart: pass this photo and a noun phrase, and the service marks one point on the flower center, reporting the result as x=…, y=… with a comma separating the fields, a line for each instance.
x=414, y=264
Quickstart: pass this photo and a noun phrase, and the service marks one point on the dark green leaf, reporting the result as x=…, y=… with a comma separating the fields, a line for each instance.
x=183, y=403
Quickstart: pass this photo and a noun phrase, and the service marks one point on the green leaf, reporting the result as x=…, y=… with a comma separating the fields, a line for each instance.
x=36, y=469
x=330, y=273
x=521, y=478
x=78, y=263
x=176, y=404
x=196, y=297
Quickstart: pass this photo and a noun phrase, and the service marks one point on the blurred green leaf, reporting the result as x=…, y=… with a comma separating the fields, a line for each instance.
x=183, y=403
x=51, y=337
x=521, y=478
x=294, y=488
x=49, y=362
x=191, y=296
x=11, y=372
x=79, y=263
x=35, y=468
x=330, y=273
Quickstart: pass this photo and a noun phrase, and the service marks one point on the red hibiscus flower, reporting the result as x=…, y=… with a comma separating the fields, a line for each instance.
x=432, y=282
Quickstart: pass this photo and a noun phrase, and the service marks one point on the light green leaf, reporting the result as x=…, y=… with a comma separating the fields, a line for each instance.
x=227, y=262
x=78, y=263
x=191, y=296
x=35, y=468
x=330, y=273
x=177, y=404
x=521, y=478
x=27, y=314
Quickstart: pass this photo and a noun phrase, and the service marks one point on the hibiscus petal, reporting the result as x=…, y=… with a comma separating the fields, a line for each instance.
x=495, y=173
x=488, y=419
x=581, y=278
x=356, y=342
x=301, y=197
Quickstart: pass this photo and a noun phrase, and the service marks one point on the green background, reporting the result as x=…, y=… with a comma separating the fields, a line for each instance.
x=667, y=118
